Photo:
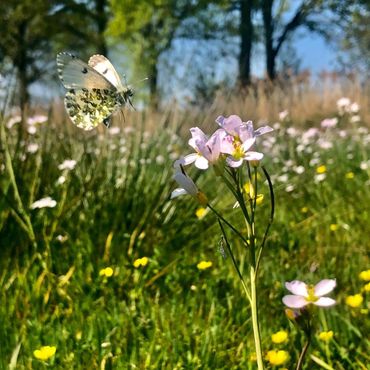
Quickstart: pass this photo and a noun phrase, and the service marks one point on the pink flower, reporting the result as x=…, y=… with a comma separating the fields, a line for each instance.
x=240, y=139
x=329, y=122
x=207, y=150
x=234, y=126
x=304, y=294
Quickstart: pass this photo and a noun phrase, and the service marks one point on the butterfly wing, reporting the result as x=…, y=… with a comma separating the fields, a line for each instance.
x=101, y=64
x=88, y=108
x=75, y=74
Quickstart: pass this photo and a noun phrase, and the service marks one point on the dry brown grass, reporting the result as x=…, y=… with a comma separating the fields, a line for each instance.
x=308, y=101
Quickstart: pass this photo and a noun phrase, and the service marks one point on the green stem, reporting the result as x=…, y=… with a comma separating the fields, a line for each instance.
x=303, y=353
x=19, y=204
x=271, y=218
x=254, y=310
x=234, y=262
x=228, y=224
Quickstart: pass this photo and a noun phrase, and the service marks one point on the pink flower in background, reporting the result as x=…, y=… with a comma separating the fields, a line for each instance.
x=304, y=294
x=283, y=115
x=329, y=122
x=38, y=118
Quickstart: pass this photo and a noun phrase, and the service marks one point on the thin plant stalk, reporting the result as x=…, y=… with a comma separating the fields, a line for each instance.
x=303, y=353
x=247, y=293
x=23, y=219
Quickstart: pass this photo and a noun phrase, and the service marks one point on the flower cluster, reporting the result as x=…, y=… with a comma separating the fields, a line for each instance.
x=233, y=143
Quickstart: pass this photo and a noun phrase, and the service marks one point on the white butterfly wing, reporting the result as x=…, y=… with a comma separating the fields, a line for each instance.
x=75, y=74
x=101, y=64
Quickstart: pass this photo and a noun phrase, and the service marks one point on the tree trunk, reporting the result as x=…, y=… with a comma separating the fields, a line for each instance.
x=101, y=22
x=246, y=35
x=21, y=65
x=269, y=41
x=153, y=84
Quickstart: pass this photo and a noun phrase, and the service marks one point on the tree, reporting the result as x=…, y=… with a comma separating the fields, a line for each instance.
x=356, y=40
x=246, y=32
x=83, y=23
x=313, y=14
x=25, y=40
x=150, y=27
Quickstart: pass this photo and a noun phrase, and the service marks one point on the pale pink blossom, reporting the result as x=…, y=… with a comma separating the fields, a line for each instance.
x=38, y=118
x=207, y=150
x=240, y=139
x=329, y=122
x=304, y=294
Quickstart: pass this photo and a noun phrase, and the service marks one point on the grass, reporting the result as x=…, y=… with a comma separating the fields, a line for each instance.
x=114, y=207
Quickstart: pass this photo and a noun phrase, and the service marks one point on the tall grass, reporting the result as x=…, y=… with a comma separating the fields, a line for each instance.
x=114, y=207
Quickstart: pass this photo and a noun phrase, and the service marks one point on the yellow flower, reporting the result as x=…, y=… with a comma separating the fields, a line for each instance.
x=304, y=209
x=326, y=336
x=354, y=300
x=253, y=357
x=259, y=199
x=249, y=190
x=367, y=287
x=334, y=227
x=44, y=353
x=275, y=357
x=350, y=175
x=279, y=337
x=201, y=212
x=107, y=272
x=141, y=262
x=365, y=275
x=321, y=169
x=203, y=265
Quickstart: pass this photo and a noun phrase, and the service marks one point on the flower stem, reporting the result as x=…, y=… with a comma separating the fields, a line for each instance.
x=254, y=310
x=228, y=224
x=247, y=293
x=303, y=353
x=23, y=215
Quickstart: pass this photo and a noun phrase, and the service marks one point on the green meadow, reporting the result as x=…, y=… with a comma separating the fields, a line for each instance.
x=108, y=269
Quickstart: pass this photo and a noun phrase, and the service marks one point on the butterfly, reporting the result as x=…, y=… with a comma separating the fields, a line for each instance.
x=95, y=90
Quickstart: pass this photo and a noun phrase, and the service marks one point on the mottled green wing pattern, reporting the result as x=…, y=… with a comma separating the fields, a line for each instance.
x=88, y=108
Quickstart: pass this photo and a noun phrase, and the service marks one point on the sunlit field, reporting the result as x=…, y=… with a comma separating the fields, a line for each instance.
x=98, y=263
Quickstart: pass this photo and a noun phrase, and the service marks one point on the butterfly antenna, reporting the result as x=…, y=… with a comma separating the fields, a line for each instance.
x=140, y=81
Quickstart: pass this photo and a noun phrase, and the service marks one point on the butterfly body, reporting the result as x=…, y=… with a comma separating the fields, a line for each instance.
x=95, y=90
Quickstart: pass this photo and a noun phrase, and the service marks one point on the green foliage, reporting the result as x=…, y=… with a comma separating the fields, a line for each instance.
x=114, y=207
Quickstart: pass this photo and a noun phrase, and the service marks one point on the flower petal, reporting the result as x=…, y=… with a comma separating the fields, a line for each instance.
x=253, y=156
x=178, y=163
x=263, y=130
x=325, y=302
x=234, y=163
x=178, y=192
x=324, y=287
x=297, y=287
x=248, y=143
x=201, y=163
x=294, y=301
x=189, y=159
x=186, y=183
